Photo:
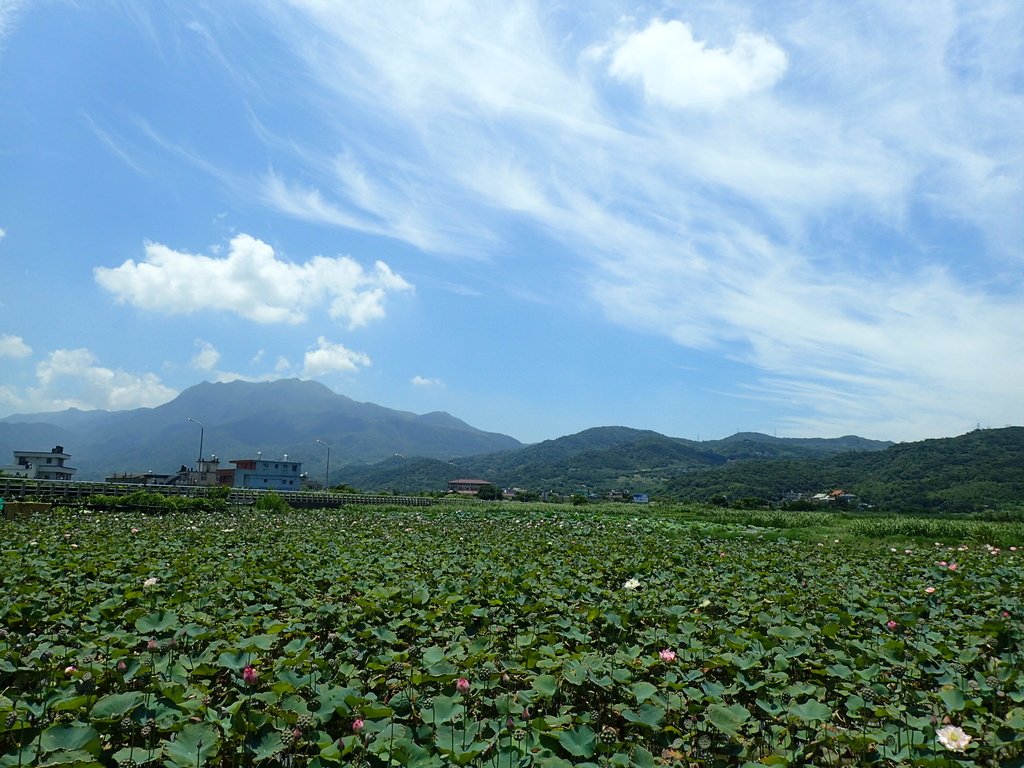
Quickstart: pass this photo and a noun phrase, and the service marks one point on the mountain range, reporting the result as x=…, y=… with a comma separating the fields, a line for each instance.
x=373, y=448
x=601, y=460
x=978, y=472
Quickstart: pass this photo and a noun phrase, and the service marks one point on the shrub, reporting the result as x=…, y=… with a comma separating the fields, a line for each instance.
x=272, y=502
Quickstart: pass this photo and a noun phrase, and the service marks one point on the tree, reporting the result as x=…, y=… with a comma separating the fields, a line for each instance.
x=489, y=492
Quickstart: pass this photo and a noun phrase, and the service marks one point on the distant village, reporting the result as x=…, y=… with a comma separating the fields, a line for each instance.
x=269, y=474
x=256, y=473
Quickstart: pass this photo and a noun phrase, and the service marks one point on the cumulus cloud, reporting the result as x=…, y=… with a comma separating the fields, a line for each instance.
x=682, y=72
x=13, y=346
x=73, y=378
x=423, y=381
x=3, y=233
x=254, y=283
x=329, y=357
x=207, y=357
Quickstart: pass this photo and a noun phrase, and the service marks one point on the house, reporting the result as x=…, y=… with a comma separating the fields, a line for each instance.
x=641, y=498
x=206, y=472
x=467, y=485
x=832, y=497
x=265, y=474
x=41, y=465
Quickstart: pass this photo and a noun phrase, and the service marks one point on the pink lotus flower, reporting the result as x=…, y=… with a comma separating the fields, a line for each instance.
x=891, y=624
x=250, y=675
x=121, y=666
x=462, y=685
x=135, y=530
x=929, y=590
x=152, y=645
x=667, y=655
x=1006, y=614
x=70, y=669
x=358, y=724
x=953, y=566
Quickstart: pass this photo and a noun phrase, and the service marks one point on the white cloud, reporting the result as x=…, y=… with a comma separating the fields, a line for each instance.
x=13, y=346
x=8, y=16
x=3, y=233
x=681, y=72
x=423, y=381
x=71, y=378
x=207, y=357
x=789, y=210
x=254, y=283
x=332, y=358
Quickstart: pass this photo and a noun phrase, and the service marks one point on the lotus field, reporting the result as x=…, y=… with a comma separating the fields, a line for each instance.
x=501, y=635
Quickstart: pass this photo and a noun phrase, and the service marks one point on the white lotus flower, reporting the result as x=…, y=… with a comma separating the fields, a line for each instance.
x=953, y=738
x=632, y=585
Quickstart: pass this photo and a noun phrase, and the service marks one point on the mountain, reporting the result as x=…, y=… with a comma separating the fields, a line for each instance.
x=600, y=460
x=956, y=474
x=754, y=445
x=376, y=448
x=969, y=473
x=236, y=420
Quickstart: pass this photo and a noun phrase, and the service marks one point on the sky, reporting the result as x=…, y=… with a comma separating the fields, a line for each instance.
x=799, y=218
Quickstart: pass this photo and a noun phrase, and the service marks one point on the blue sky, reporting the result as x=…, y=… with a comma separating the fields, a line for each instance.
x=799, y=218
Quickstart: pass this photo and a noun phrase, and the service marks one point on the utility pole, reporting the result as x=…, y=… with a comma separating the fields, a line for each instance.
x=327, y=474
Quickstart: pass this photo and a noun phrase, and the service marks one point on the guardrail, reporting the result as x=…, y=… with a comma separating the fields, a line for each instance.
x=69, y=491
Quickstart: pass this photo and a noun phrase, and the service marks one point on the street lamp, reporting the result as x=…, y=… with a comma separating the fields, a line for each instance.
x=327, y=474
x=201, y=431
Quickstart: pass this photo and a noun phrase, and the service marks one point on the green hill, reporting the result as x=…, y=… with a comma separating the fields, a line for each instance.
x=983, y=468
x=601, y=460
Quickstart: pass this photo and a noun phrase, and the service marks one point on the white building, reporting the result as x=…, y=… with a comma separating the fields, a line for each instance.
x=41, y=465
x=205, y=472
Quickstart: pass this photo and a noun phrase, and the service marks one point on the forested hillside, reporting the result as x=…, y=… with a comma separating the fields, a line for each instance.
x=984, y=468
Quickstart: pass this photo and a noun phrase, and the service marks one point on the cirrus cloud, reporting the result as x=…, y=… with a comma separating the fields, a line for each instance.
x=254, y=283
